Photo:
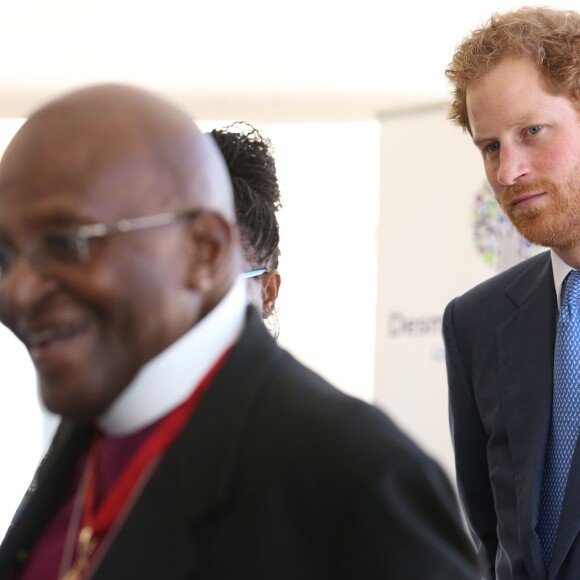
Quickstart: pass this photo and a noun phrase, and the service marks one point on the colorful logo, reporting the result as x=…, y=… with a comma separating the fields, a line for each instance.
x=496, y=239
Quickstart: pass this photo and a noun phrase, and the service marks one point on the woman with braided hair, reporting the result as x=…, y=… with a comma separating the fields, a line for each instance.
x=248, y=156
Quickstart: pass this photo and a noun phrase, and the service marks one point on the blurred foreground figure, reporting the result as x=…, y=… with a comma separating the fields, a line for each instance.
x=191, y=445
x=513, y=342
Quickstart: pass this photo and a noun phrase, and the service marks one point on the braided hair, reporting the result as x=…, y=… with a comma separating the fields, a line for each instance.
x=248, y=156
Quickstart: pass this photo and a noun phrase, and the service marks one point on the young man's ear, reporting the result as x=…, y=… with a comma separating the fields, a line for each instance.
x=214, y=257
x=270, y=287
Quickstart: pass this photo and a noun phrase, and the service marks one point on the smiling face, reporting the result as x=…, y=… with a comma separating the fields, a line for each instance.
x=90, y=327
x=529, y=139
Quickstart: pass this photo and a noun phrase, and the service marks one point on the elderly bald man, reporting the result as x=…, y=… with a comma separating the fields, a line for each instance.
x=191, y=445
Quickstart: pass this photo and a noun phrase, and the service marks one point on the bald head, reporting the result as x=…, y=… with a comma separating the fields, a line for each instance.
x=110, y=155
x=108, y=132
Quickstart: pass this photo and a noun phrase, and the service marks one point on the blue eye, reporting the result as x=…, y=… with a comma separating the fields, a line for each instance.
x=492, y=147
x=534, y=129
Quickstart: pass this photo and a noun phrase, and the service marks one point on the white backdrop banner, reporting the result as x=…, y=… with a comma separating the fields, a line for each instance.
x=440, y=233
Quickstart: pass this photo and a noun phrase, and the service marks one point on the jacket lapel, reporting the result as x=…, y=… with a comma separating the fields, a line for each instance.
x=196, y=476
x=55, y=477
x=192, y=481
x=569, y=525
x=525, y=362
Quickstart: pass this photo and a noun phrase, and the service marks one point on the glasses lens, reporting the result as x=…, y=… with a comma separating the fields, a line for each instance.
x=61, y=246
x=6, y=255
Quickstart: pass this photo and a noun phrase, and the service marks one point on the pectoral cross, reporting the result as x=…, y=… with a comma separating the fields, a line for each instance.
x=86, y=545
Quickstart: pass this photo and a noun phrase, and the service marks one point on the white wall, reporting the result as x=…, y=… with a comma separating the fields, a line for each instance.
x=440, y=233
x=430, y=175
x=375, y=53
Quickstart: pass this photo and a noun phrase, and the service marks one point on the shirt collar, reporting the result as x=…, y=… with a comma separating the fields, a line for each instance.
x=168, y=379
x=560, y=270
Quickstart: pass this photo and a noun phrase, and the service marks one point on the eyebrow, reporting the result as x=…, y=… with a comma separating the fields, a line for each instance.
x=57, y=221
x=479, y=142
x=61, y=217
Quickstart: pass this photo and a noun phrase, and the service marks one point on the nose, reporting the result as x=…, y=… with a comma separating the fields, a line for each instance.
x=512, y=166
x=22, y=288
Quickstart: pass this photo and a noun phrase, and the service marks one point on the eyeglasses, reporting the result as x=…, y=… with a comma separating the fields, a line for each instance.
x=253, y=273
x=72, y=247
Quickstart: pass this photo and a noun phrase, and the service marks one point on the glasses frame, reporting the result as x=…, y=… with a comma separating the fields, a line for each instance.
x=254, y=273
x=82, y=235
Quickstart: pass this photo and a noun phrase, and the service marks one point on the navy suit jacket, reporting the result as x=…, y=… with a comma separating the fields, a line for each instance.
x=499, y=340
x=277, y=475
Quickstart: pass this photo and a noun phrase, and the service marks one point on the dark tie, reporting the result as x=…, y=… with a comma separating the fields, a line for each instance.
x=565, y=415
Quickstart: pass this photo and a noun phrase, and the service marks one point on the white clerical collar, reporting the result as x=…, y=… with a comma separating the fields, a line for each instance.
x=168, y=380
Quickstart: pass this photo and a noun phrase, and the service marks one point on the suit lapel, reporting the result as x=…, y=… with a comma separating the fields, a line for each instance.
x=196, y=475
x=569, y=525
x=55, y=477
x=525, y=366
x=194, y=478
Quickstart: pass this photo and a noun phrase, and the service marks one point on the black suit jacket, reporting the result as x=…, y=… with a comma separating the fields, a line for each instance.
x=276, y=476
x=499, y=340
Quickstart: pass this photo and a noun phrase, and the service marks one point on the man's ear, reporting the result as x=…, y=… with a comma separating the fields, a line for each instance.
x=213, y=260
x=270, y=287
